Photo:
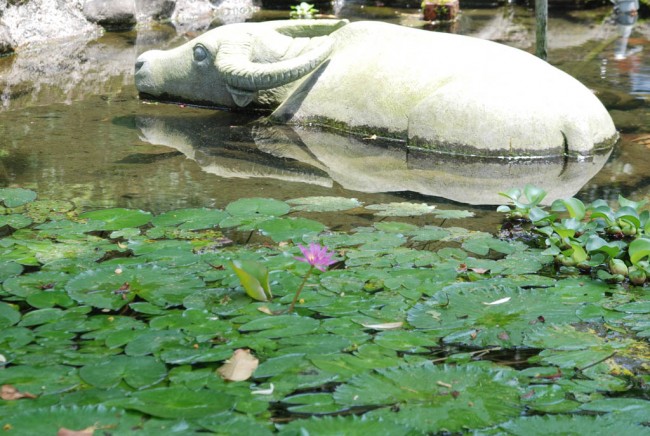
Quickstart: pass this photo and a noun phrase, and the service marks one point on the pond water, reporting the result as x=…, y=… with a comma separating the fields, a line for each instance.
x=72, y=127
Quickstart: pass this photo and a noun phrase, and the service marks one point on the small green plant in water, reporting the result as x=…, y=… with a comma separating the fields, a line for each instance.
x=254, y=277
x=612, y=243
x=303, y=11
x=316, y=256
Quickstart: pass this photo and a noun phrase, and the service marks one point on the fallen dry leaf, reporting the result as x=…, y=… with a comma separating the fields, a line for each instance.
x=239, y=367
x=85, y=432
x=265, y=309
x=10, y=393
x=384, y=326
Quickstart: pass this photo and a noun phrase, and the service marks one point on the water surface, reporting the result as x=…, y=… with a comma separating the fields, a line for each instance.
x=72, y=127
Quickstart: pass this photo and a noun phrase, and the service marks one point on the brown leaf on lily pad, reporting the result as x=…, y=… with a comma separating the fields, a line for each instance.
x=10, y=393
x=239, y=367
x=85, y=432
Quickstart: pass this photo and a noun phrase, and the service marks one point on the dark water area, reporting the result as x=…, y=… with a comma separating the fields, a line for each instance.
x=73, y=127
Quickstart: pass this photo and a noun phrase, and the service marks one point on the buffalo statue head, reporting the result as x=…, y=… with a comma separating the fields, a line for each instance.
x=241, y=65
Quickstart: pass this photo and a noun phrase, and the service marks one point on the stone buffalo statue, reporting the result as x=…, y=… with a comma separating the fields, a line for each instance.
x=449, y=93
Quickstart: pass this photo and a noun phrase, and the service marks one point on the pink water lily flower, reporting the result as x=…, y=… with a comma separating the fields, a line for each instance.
x=316, y=255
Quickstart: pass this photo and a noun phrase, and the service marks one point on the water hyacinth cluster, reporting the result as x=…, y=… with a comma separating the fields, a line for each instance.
x=614, y=244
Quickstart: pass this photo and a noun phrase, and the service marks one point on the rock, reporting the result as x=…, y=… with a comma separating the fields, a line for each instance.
x=39, y=21
x=157, y=10
x=192, y=15
x=6, y=41
x=111, y=14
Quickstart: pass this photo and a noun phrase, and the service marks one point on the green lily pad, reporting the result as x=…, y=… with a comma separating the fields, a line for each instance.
x=51, y=379
x=395, y=227
x=349, y=426
x=176, y=402
x=486, y=313
x=9, y=269
x=571, y=425
x=281, y=326
x=138, y=372
x=118, y=218
x=9, y=315
x=50, y=420
x=401, y=209
x=453, y=214
x=634, y=307
x=285, y=229
x=190, y=219
x=15, y=221
x=483, y=245
x=107, y=289
x=14, y=197
x=235, y=424
x=433, y=398
x=249, y=207
x=324, y=204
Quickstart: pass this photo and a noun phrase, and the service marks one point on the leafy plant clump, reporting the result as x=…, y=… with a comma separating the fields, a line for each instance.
x=610, y=243
x=303, y=11
x=122, y=322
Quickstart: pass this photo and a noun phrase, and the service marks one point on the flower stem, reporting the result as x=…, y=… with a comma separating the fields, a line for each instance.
x=302, y=285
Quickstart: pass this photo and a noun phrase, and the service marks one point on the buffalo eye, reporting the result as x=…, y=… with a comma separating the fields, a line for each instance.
x=200, y=53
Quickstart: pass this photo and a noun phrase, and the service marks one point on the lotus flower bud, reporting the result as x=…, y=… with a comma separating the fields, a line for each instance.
x=617, y=266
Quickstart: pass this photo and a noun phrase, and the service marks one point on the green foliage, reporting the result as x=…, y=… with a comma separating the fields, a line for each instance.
x=117, y=321
x=613, y=244
x=254, y=277
x=303, y=11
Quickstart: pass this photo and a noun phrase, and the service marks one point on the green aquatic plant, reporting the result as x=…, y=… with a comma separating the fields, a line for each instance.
x=119, y=320
x=613, y=243
x=254, y=277
x=303, y=11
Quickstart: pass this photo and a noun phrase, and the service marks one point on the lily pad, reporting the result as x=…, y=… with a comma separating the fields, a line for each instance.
x=401, y=209
x=9, y=315
x=349, y=426
x=9, y=269
x=138, y=372
x=176, y=402
x=51, y=420
x=571, y=426
x=324, y=204
x=281, y=326
x=14, y=197
x=486, y=313
x=250, y=207
x=15, y=221
x=284, y=229
x=433, y=398
x=118, y=218
x=190, y=219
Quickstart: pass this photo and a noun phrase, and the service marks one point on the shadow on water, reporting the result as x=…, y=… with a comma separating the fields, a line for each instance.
x=72, y=127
